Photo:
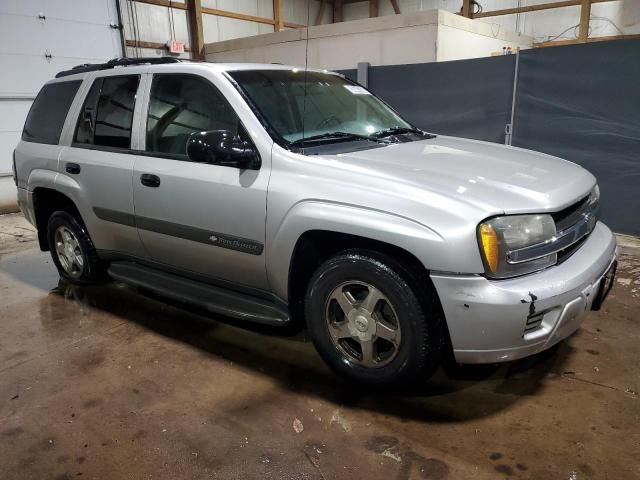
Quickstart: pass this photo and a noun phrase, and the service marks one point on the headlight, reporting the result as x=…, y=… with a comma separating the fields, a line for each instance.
x=501, y=235
x=594, y=198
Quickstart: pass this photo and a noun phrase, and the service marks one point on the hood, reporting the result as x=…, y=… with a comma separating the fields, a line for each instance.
x=493, y=177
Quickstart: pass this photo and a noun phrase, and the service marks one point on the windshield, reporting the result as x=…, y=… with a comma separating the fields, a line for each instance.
x=332, y=104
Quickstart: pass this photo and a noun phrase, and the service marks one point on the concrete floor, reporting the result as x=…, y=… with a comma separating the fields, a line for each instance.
x=103, y=382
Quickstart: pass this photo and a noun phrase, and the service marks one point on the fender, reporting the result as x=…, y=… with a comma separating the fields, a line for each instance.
x=429, y=246
x=64, y=184
x=41, y=178
x=68, y=186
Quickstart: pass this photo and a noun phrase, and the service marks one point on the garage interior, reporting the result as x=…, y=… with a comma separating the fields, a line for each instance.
x=111, y=381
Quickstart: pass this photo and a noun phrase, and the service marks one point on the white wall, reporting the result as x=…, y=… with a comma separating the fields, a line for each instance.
x=610, y=18
x=221, y=28
x=416, y=37
x=295, y=11
x=153, y=23
x=73, y=32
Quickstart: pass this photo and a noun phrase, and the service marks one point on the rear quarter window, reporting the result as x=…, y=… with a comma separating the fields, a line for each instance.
x=49, y=111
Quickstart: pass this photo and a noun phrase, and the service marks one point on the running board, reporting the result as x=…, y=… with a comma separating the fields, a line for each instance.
x=213, y=299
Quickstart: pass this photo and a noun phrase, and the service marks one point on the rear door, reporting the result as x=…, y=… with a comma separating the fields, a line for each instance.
x=97, y=168
x=196, y=217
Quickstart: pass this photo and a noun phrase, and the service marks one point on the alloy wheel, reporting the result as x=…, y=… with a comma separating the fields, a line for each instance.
x=69, y=252
x=363, y=324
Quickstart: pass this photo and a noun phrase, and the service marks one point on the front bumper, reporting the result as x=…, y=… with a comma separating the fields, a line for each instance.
x=500, y=320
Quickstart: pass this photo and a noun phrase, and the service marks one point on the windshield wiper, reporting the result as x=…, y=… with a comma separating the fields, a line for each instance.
x=400, y=130
x=330, y=136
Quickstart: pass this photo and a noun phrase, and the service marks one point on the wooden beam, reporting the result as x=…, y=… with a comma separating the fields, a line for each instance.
x=559, y=43
x=373, y=8
x=194, y=13
x=528, y=8
x=221, y=13
x=154, y=45
x=164, y=3
x=293, y=25
x=585, y=15
x=277, y=16
x=535, y=8
x=396, y=7
x=319, y=17
x=337, y=11
x=237, y=16
x=467, y=8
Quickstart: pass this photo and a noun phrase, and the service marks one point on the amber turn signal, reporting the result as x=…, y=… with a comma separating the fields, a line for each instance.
x=490, y=246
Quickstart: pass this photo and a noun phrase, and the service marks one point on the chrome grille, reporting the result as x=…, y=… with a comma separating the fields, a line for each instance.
x=565, y=219
x=569, y=216
x=573, y=225
x=564, y=255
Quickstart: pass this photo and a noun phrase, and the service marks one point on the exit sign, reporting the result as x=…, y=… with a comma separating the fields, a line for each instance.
x=175, y=46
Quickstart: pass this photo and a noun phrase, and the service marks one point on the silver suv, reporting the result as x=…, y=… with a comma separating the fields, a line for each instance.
x=270, y=193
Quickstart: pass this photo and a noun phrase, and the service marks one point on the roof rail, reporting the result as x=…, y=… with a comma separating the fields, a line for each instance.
x=119, y=62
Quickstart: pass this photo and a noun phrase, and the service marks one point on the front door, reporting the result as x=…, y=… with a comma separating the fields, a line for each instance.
x=197, y=217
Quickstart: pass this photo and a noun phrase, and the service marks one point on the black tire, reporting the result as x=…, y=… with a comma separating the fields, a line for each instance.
x=92, y=269
x=416, y=311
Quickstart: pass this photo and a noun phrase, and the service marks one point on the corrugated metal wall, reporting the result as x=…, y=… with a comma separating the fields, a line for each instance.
x=577, y=102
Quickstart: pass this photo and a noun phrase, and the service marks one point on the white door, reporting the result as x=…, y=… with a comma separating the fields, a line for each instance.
x=41, y=38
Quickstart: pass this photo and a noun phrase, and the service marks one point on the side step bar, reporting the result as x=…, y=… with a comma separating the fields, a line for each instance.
x=214, y=299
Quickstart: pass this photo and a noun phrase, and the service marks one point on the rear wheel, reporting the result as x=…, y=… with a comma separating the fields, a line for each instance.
x=370, y=322
x=72, y=250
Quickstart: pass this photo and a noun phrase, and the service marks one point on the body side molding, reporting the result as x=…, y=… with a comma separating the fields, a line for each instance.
x=187, y=232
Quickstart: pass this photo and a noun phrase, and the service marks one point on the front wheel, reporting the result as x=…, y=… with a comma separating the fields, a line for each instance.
x=369, y=321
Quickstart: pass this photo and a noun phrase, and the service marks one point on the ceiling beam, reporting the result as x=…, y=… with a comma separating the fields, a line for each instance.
x=237, y=16
x=194, y=13
x=319, y=17
x=165, y=3
x=337, y=11
x=559, y=43
x=535, y=8
x=154, y=45
x=221, y=13
x=585, y=14
x=467, y=8
x=277, y=16
x=373, y=8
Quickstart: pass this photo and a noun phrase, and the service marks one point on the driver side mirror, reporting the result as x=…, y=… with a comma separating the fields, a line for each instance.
x=221, y=147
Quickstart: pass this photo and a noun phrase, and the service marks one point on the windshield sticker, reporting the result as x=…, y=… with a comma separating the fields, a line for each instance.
x=357, y=90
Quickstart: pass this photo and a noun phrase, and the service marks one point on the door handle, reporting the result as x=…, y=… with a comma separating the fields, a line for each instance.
x=150, y=180
x=72, y=168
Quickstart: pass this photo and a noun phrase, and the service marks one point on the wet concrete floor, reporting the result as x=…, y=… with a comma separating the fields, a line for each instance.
x=106, y=382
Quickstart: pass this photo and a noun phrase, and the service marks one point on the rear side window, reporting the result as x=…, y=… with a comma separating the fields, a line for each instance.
x=180, y=105
x=107, y=114
x=49, y=111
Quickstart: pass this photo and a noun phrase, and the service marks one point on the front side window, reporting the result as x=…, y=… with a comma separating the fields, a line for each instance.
x=49, y=111
x=107, y=114
x=299, y=104
x=181, y=104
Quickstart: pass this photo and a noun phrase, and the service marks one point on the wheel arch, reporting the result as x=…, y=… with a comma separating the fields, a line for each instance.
x=46, y=201
x=314, y=247
x=351, y=225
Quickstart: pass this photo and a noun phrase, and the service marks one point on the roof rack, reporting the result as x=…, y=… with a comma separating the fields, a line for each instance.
x=119, y=62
